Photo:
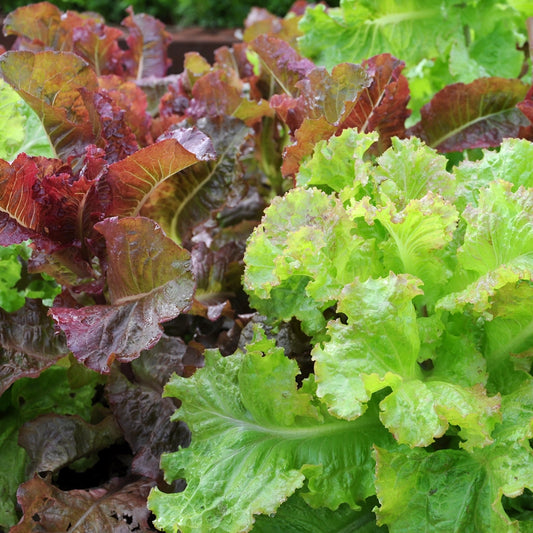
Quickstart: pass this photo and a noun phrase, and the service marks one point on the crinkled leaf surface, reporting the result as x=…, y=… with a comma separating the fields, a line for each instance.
x=509, y=335
x=247, y=454
x=363, y=29
x=28, y=343
x=495, y=253
x=418, y=236
x=305, y=240
x=450, y=490
x=509, y=163
x=410, y=170
x=54, y=441
x=149, y=282
x=118, y=507
x=414, y=486
x=374, y=349
x=475, y=115
x=338, y=162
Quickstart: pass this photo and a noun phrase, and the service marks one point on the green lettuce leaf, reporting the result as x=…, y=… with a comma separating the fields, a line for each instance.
x=256, y=438
x=373, y=349
x=295, y=516
x=450, y=490
x=308, y=241
x=497, y=248
x=22, y=130
x=456, y=490
x=417, y=238
x=509, y=163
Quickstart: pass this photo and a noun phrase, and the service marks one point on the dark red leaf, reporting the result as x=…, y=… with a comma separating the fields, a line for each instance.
x=474, y=115
x=28, y=343
x=286, y=66
x=382, y=106
x=54, y=441
x=44, y=196
x=148, y=41
x=140, y=410
x=37, y=26
x=132, y=101
x=149, y=282
x=212, y=96
x=118, y=139
x=11, y=232
x=43, y=26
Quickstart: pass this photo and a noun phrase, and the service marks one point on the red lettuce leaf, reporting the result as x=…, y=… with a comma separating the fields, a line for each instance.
x=46, y=198
x=148, y=41
x=51, y=83
x=260, y=22
x=28, y=343
x=474, y=115
x=141, y=411
x=282, y=62
x=191, y=196
x=119, y=506
x=371, y=97
x=135, y=179
x=526, y=106
x=54, y=441
x=97, y=43
x=43, y=26
x=37, y=26
x=213, y=96
x=218, y=276
x=133, y=103
x=382, y=106
x=149, y=282
x=11, y=232
x=115, y=135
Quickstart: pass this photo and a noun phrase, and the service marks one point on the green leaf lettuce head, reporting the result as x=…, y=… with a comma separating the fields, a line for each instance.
x=433, y=319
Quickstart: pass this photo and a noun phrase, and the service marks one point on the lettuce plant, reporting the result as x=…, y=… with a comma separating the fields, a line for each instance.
x=414, y=284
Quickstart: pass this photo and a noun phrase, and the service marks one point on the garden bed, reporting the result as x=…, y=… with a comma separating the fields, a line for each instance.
x=287, y=290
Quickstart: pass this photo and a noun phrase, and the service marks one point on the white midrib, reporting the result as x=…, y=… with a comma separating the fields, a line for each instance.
x=286, y=433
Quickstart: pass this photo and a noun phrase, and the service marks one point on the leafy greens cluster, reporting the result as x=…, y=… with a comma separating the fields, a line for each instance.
x=366, y=346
